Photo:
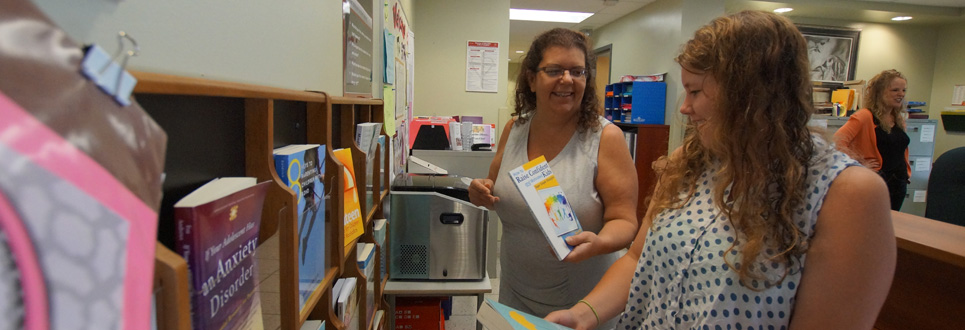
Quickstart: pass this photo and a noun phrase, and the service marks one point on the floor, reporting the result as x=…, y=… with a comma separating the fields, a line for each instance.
x=463, y=307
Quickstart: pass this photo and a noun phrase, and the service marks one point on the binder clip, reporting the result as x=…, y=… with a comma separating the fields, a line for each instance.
x=104, y=71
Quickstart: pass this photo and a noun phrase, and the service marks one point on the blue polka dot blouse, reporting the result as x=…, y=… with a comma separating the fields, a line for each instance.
x=682, y=281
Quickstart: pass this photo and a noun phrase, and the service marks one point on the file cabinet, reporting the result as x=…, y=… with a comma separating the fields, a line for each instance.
x=921, y=149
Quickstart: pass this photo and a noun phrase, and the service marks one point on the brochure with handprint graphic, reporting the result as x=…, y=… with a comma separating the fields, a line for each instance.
x=545, y=198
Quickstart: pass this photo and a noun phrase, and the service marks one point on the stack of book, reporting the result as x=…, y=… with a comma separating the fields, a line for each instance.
x=345, y=301
x=378, y=230
x=366, y=259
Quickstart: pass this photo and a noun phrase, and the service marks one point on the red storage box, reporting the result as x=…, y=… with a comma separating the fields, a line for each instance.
x=419, y=314
x=417, y=122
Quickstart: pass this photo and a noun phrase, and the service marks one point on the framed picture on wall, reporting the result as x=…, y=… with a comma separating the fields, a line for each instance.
x=832, y=52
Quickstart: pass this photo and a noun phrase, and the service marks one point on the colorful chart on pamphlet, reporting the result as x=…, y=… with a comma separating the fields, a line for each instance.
x=558, y=208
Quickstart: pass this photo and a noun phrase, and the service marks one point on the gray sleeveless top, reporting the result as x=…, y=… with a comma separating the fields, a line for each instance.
x=532, y=279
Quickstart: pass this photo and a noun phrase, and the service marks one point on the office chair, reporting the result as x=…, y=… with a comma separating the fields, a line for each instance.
x=946, y=186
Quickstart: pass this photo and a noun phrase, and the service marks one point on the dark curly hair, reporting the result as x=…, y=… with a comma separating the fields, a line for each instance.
x=526, y=98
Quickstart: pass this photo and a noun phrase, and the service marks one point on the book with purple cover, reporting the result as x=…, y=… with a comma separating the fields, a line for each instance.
x=217, y=234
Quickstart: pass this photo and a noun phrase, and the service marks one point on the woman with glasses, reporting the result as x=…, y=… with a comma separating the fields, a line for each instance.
x=557, y=116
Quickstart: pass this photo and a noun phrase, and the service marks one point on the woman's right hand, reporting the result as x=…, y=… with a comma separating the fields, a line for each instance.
x=481, y=193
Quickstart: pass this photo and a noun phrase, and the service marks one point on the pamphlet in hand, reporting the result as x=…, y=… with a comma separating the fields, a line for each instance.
x=496, y=316
x=543, y=194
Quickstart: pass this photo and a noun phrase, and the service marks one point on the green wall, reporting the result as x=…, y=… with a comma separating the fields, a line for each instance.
x=442, y=29
x=949, y=71
x=647, y=40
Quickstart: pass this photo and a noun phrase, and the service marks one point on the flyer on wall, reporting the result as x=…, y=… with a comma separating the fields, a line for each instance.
x=482, y=66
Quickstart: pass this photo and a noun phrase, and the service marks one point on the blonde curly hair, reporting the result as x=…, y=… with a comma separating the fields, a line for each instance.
x=874, y=94
x=759, y=139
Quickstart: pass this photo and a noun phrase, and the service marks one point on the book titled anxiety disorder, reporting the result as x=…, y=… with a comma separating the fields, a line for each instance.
x=217, y=234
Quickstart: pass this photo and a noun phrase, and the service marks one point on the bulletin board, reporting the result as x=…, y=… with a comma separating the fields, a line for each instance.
x=358, y=47
x=398, y=78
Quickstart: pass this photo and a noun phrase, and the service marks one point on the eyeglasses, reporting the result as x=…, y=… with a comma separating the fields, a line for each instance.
x=556, y=72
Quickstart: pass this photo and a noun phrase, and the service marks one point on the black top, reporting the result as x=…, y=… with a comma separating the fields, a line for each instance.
x=892, y=148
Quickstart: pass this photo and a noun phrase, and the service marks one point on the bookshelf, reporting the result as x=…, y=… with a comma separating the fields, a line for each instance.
x=637, y=102
x=230, y=129
x=652, y=141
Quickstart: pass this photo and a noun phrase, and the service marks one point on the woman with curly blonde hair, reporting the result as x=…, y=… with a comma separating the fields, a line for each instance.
x=875, y=135
x=756, y=222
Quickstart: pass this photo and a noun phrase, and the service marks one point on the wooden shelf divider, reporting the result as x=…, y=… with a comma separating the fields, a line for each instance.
x=328, y=120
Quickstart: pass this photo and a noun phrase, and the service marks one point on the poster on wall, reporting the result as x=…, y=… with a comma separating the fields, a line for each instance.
x=410, y=68
x=400, y=87
x=398, y=65
x=482, y=66
x=358, y=46
x=832, y=52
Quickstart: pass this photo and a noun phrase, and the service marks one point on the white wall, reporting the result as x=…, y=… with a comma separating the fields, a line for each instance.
x=949, y=71
x=647, y=41
x=295, y=44
x=443, y=28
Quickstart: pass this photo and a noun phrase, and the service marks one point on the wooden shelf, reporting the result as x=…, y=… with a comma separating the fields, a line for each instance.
x=237, y=126
x=171, y=280
x=652, y=143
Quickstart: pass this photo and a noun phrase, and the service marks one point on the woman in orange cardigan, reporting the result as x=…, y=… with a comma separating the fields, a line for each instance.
x=875, y=136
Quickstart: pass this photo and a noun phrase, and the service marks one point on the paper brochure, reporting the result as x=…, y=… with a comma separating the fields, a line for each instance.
x=545, y=198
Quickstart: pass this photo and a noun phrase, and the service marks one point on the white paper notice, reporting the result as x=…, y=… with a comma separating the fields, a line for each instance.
x=920, y=196
x=482, y=66
x=922, y=164
x=958, y=95
x=927, y=133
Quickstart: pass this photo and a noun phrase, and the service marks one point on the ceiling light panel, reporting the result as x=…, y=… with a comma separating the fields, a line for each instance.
x=547, y=15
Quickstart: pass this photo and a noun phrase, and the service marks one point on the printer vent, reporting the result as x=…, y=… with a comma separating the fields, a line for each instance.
x=414, y=261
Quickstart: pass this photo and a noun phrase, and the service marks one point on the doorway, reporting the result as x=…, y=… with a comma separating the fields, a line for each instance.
x=602, y=68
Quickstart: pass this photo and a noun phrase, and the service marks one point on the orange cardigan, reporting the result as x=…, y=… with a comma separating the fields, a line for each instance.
x=857, y=139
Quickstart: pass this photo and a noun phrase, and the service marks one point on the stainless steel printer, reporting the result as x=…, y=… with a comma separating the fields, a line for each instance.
x=435, y=233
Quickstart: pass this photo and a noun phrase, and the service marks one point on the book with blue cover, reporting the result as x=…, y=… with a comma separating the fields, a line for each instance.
x=496, y=316
x=545, y=198
x=301, y=167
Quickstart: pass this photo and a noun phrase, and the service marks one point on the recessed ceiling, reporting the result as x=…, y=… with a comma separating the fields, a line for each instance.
x=521, y=33
x=925, y=12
